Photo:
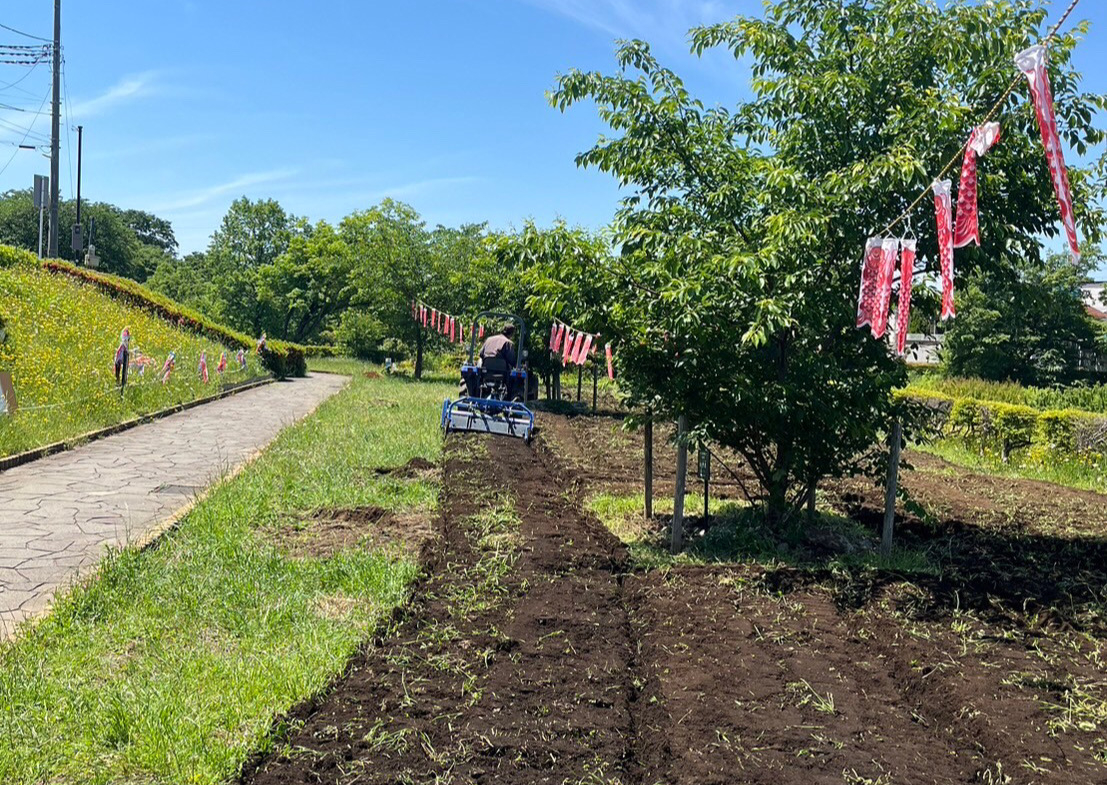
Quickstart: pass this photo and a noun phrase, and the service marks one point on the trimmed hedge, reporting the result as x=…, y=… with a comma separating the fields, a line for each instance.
x=1008, y=427
x=280, y=358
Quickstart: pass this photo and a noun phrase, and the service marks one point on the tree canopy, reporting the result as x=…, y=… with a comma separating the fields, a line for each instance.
x=741, y=239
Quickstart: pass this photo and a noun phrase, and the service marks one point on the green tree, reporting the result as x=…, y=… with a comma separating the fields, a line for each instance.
x=734, y=294
x=1026, y=325
x=394, y=265
x=547, y=274
x=308, y=284
x=250, y=236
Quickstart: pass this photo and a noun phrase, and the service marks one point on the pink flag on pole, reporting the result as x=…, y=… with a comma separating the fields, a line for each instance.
x=888, y=254
x=567, y=349
x=903, y=310
x=967, y=229
x=870, y=281
x=167, y=369
x=204, y=367
x=942, y=214
x=585, y=350
x=610, y=364
x=1032, y=62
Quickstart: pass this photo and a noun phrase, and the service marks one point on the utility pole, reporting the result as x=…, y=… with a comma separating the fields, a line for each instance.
x=78, y=241
x=55, y=135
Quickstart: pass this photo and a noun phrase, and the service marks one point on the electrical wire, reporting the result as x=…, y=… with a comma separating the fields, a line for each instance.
x=25, y=35
x=14, y=85
x=996, y=107
x=45, y=98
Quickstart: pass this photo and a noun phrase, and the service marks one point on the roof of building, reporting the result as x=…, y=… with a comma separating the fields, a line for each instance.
x=1095, y=313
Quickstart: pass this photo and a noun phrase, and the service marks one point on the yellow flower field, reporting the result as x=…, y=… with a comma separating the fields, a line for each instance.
x=61, y=338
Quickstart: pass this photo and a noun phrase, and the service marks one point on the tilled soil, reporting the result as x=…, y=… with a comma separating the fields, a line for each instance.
x=534, y=652
x=511, y=664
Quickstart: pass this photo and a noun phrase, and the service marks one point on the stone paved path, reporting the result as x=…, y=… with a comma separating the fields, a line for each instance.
x=59, y=513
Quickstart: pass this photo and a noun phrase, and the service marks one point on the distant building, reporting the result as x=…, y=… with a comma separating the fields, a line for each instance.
x=1095, y=295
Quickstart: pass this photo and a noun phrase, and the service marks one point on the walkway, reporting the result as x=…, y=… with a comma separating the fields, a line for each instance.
x=58, y=514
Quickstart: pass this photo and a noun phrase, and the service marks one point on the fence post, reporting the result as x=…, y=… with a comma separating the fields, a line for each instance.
x=648, y=439
x=677, y=534
x=580, y=379
x=894, y=438
x=595, y=385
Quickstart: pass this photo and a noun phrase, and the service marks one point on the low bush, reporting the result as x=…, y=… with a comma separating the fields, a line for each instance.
x=1004, y=428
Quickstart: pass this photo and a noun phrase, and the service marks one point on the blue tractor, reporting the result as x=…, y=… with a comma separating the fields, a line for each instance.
x=494, y=393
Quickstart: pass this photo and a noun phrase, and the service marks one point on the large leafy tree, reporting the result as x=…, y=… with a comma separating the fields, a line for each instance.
x=734, y=294
x=394, y=265
x=253, y=234
x=309, y=284
x=547, y=273
x=1026, y=325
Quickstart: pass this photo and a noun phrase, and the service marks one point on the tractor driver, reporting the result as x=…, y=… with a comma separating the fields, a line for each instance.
x=500, y=345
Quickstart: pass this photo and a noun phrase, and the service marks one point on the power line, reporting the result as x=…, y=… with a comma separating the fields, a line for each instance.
x=996, y=107
x=45, y=98
x=14, y=85
x=25, y=35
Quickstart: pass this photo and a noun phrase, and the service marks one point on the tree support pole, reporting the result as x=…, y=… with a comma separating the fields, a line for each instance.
x=595, y=385
x=648, y=439
x=580, y=380
x=894, y=438
x=677, y=536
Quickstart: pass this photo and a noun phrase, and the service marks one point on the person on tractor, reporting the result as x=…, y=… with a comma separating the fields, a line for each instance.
x=497, y=359
x=500, y=345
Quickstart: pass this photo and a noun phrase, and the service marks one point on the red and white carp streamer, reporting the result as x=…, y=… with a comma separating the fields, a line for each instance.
x=585, y=349
x=889, y=248
x=903, y=309
x=967, y=227
x=870, y=280
x=553, y=337
x=943, y=215
x=1032, y=62
x=567, y=347
x=610, y=363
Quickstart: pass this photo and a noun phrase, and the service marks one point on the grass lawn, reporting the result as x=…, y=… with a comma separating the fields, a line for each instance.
x=1087, y=473
x=173, y=663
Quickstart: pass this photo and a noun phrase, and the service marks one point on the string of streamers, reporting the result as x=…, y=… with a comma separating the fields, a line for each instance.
x=996, y=107
x=574, y=346
x=448, y=325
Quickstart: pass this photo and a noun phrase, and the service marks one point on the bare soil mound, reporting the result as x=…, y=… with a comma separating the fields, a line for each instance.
x=331, y=530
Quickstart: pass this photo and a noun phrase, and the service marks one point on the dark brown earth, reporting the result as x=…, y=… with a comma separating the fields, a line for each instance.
x=330, y=530
x=535, y=652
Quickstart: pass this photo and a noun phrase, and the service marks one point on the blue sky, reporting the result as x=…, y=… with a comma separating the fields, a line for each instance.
x=331, y=106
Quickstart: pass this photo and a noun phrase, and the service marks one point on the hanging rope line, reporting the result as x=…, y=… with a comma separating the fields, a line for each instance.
x=996, y=107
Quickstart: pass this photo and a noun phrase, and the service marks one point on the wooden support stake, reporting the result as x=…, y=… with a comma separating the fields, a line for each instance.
x=580, y=380
x=648, y=438
x=595, y=385
x=894, y=438
x=677, y=535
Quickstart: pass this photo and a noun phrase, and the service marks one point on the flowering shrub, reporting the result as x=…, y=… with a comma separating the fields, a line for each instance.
x=61, y=339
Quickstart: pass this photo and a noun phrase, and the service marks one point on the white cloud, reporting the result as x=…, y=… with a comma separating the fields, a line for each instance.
x=127, y=89
x=205, y=195
x=661, y=22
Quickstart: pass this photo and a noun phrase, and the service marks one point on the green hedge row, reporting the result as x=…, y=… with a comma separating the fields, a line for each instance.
x=281, y=359
x=1008, y=427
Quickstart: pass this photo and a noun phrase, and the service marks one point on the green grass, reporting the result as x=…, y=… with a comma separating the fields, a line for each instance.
x=61, y=341
x=171, y=666
x=738, y=534
x=1034, y=463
